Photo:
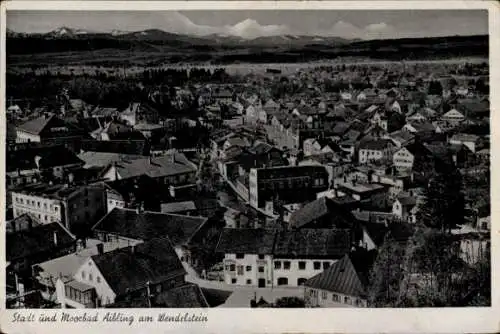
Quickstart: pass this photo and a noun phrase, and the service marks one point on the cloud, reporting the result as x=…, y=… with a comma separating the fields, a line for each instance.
x=252, y=29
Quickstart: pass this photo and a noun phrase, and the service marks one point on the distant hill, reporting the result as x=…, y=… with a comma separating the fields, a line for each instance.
x=223, y=49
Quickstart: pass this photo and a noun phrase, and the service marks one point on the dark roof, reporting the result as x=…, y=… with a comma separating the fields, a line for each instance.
x=376, y=232
x=315, y=243
x=186, y=296
x=22, y=222
x=379, y=144
x=339, y=216
x=246, y=240
x=141, y=188
x=42, y=126
x=148, y=225
x=51, y=156
x=38, y=239
x=130, y=268
x=139, y=147
x=348, y=276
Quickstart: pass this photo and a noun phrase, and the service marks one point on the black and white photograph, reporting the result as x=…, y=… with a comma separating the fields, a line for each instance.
x=247, y=159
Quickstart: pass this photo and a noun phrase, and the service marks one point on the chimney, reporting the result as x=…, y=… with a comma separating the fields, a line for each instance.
x=100, y=249
x=55, y=238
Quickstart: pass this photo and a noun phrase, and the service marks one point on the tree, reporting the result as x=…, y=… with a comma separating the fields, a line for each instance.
x=443, y=204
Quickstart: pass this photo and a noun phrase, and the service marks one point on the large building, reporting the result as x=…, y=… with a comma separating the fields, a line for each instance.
x=75, y=207
x=290, y=184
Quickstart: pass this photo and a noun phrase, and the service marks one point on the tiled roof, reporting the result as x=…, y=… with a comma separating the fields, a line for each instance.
x=246, y=240
x=138, y=147
x=186, y=296
x=313, y=243
x=147, y=225
x=103, y=159
x=178, y=206
x=130, y=268
x=52, y=156
x=37, y=125
x=348, y=276
x=339, y=216
x=167, y=165
x=38, y=239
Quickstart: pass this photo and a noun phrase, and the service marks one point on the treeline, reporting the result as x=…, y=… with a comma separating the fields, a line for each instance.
x=180, y=77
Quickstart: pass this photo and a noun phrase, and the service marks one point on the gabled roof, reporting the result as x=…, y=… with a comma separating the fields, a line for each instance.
x=44, y=123
x=51, y=156
x=246, y=240
x=38, y=239
x=321, y=207
x=340, y=277
x=131, y=268
x=171, y=164
x=37, y=125
x=103, y=159
x=313, y=243
x=348, y=276
x=148, y=225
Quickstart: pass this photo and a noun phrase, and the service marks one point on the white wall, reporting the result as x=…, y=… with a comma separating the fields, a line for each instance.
x=25, y=137
x=253, y=274
x=46, y=210
x=103, y=290
x=323, y=298
x=294, y=273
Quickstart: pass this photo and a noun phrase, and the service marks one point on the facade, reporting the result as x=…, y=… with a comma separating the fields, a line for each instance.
x=290, y=184
x=75, y=207
x=375, y=150
x=403, y=159
x=145, y=269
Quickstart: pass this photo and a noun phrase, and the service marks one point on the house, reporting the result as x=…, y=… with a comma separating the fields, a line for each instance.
x=46, y=274
x=248, y=256
x=127, y=224
x=405, y=209
x=302, y=253
x=403, y=159
x=76, y=207
x=452, y=119
x=343, y=284
x=322, y=213
x=170, y=169
x=104, y=159
x=473, y=142
x=33, y=244
x=422, y=128
x=143, y=269
x=292, y=184
x=133, y=192
x=30, y=164
x=401, y=138
x=50, y=129
x=314, y=146
x=375, y=150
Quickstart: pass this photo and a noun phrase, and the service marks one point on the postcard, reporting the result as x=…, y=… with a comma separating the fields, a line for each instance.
x=256, y=167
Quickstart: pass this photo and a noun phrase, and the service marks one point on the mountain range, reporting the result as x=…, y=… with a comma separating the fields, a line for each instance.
x=212, y=39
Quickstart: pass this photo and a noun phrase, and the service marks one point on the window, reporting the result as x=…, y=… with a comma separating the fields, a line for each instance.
x=347, y=300
x=249, y=268
x=317, y=265
x=261, y=269
x=335, y=298
x=228, y=267
x=240, y=270
x=90, y=277
x=323, y=294
x=302, y=265
x=249, y=281
x=261, y=256
x=45, y=218
x=233, y=280
x=301, y=281
x=83, y=274
x=232, y=267
x=38, y=204
x=286, y=265
x=282, y=281
x=240, y=255
x=326, y=265
x=98, y=279
x=277, y=264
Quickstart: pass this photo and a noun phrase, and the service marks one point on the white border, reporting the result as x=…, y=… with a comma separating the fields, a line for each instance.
x=444, y=320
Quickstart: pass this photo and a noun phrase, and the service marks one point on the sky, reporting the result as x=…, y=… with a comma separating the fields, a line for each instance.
x=364, y=24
